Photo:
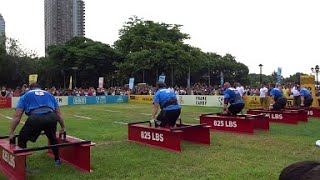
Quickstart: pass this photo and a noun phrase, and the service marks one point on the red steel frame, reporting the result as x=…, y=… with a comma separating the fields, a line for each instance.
x=166, y=138
x=13, y=164
x=245, y=124
x=311, y=111
x=282, y=116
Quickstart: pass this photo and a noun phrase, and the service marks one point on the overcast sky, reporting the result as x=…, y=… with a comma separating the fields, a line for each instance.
x=275, y=33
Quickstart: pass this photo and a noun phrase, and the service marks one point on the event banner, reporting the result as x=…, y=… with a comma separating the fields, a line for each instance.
x=117, y=99
x=200, y=100
x=290, y=102
x=62, y=100
x=100, y=82
x=147, y=99
x=308, y=82
x=33, y=78
x=279, y=75
x=131, y=83
x=162, y=78
x=5, y=102
x=252, y=102
x=70, y=83
x=14, y=102
x=78, y=100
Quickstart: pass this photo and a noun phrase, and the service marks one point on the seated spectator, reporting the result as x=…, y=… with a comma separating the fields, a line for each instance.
x=17, y=92
x=4, y=92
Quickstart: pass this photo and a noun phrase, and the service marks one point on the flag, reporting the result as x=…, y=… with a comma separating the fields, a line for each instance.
x=162, y=78
x=100, y=82
x=279, y=74
x=131, y=83
x=70, y=83
x=33, y=78
x=221, y=78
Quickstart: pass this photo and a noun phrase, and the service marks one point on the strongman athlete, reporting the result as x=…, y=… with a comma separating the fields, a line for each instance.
x=43, y=114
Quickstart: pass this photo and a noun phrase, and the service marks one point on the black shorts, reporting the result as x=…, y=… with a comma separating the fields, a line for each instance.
x=37, y=123
x=280, y=103
x=308, y=101
x=168, y=117
x=234, y=109
x=296, y=100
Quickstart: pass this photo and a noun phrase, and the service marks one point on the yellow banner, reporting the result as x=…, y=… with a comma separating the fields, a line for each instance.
x=290, y=102
x=33, y=78
x=307, y=82
x=147, y=99
x=252, y=102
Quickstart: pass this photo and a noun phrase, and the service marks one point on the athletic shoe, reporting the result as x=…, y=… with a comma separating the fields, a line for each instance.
x=57, y=162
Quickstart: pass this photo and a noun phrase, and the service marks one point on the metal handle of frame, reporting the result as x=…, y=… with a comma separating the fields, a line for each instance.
x=50, y=147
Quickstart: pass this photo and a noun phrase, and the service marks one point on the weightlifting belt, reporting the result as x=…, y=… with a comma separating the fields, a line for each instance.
x=41, y=110
x=169, y=102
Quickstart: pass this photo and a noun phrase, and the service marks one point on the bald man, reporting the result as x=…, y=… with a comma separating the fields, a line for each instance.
x=232, y=98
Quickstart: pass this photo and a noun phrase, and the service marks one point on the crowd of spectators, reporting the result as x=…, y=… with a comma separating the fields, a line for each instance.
x=140, y=89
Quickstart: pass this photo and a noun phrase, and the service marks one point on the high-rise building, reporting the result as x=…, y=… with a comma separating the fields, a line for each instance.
x=2, y=30
x=64, y=19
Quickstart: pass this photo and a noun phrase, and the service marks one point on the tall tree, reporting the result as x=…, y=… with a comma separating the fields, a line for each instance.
x=85, y=58
x=15, y=64
x=155, y=48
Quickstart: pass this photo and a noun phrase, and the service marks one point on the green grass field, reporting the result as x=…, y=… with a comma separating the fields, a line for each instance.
x=230, y=156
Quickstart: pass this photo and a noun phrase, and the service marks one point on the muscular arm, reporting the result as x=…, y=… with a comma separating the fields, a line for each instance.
x=225, y=105
x=154, y=110
x=302, y=100
x=61, y=120
x=15, y=120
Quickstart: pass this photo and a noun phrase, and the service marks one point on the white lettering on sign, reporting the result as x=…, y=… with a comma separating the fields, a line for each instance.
x=232, y=124
x=221, y=99
x=220, y=123
x=310, y=112
x=201, y=100
x=101, y=99
x=152, y=136
x=276, y=116
x=79, y=100
x=59, y=100
x=267, y=114
x=8, y=158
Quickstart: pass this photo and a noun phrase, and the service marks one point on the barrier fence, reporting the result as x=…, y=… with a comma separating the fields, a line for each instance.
x=71, y=100
x=251, y=102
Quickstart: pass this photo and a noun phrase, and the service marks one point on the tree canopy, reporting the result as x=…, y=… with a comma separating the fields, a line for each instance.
x=145, y=49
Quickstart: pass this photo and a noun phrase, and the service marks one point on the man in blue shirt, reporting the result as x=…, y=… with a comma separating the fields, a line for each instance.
x=43, y=114
x=170, y=109
x=278, y=101
x=305, y=97
x=232, y=97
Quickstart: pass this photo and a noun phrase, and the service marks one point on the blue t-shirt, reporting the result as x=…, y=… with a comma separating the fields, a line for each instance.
x=163, y=95
x=37, y=98
x=276, y=93
x=305, y=92
x=233, y=95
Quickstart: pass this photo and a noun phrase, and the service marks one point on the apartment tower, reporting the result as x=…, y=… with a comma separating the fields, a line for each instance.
x=2, y=30
x=64, y=19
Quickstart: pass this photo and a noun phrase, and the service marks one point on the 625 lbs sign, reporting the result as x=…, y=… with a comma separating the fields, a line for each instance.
x=152, y=136
x=8, y=158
